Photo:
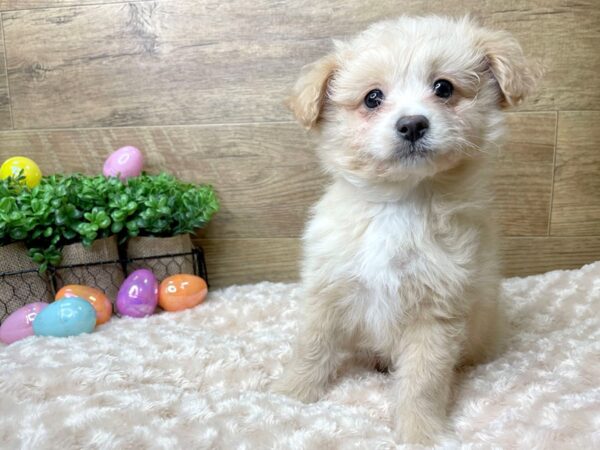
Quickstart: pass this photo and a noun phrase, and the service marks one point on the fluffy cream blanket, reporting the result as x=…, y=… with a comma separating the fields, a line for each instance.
x=200, y=379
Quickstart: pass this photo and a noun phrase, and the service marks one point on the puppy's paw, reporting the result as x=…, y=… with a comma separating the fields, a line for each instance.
x=417, y=428
x=296, y=387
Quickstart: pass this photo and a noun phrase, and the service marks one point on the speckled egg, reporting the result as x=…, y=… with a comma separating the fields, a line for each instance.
x=124, y=163
x=138, y=294
x=95, y=297
x=183, y=291
x=13, y=166
x=19, y=324
x=65, y=317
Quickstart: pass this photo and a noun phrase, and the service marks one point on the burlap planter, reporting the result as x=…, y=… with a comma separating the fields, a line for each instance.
x=163, y=266
x=19, y=289
x=106, y=277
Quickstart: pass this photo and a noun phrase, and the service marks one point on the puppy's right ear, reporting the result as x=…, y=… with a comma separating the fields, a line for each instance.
x=310, y=91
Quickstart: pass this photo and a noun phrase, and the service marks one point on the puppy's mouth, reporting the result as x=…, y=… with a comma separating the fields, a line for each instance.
x=412, y=151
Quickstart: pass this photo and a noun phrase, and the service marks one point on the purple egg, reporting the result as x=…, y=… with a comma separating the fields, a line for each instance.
x=138, y=295
x=19, y=324
x=124, y=163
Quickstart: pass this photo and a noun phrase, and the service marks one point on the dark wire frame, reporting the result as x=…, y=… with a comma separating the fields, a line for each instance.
x=16, y=291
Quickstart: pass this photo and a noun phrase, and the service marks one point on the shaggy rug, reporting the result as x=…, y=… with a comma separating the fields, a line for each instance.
x=200, y=379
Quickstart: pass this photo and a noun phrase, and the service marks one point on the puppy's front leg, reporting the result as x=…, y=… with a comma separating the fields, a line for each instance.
x=315, y=359
x=423, y=368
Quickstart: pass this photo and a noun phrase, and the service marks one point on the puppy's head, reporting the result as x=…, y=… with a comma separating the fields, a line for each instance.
x=412, y=97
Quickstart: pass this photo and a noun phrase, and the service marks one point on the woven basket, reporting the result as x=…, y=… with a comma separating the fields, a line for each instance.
x=142, y=247
x=20, y=289
x=106, y=277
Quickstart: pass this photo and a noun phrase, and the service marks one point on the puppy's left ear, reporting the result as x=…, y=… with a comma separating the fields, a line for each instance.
x=309, y=93
x=516, y=77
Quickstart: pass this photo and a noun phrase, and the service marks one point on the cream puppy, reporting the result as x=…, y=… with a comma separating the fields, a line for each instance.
x=400, y=254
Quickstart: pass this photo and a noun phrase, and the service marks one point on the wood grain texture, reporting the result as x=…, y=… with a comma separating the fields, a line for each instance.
x=576, y=204
x=243, y=261
x=524, y=256
x=523, y=178
x=5, y=113
x=15, y=5
x=150, y=63
x=164, y=62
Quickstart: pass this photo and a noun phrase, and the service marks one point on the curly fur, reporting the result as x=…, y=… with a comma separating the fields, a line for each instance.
x=200, y=379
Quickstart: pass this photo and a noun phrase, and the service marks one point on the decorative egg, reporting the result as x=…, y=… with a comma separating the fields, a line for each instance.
x=138, y=295
x=124, y=163
x=19, y=324
x=13, y=166
x=65, y=317
x=95, y=297
x=183, y=291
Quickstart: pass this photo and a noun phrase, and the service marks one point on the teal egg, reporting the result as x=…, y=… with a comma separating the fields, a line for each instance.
x=66, y=317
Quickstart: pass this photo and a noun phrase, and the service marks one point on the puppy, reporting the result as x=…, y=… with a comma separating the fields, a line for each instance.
x=400, y=254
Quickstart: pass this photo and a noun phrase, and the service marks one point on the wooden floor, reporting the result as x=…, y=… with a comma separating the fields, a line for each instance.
x=198, y=86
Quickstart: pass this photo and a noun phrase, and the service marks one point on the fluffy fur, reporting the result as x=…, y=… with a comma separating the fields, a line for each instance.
x=400, y=254
x=199, y=379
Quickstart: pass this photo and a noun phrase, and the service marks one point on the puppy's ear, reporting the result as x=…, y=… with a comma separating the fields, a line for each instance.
x=310, y=91
x=516, y=77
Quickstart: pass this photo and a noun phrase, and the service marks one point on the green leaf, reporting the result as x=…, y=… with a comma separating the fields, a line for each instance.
x=76, y=208
x=38, y=258
x=116, y=227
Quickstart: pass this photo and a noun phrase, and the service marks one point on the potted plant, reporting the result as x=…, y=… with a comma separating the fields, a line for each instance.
x=69, y=222
x=167, y=211
x=91, y=233
x=63, y=221
x=20, y=215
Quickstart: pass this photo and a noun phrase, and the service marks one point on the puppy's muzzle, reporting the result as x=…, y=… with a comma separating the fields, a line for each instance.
x=412, y=128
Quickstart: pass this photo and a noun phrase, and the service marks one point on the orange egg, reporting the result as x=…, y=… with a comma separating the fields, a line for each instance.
x=183, y=291
x=95, y=297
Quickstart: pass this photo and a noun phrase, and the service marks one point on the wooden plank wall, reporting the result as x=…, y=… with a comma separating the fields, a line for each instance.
x=198, y=85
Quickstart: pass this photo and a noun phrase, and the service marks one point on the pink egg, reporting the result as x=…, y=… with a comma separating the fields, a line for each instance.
x=19, y=324
x=124, y=163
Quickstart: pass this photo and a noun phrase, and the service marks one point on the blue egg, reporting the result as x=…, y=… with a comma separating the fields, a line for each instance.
x=66, y=317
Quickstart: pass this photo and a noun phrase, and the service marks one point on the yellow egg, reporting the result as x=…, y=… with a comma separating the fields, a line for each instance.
x=31, y=171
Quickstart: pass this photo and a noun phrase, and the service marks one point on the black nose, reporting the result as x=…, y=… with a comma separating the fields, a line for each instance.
x=412, y=128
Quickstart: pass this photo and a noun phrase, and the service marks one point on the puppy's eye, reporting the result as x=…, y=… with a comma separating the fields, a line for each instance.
x=373, y=99
x=443, y=88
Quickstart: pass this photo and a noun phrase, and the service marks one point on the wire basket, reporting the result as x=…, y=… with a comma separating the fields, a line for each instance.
x=17, y=288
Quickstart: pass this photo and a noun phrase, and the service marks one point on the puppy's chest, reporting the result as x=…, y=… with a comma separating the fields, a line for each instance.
x=392, y=246
x=402, y=266
x=403, y=260
x=393, y=254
